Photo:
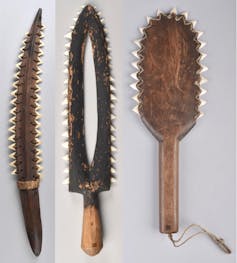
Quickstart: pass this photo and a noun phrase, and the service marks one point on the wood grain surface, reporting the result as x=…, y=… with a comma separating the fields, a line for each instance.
x=92, y=241
x=169, y=99
x=25, y=124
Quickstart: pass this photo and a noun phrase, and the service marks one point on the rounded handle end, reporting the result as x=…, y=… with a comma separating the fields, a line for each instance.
x=91, y=242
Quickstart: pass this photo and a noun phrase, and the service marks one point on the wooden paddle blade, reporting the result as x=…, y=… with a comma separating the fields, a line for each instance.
x=169, y=75
x=168, y=82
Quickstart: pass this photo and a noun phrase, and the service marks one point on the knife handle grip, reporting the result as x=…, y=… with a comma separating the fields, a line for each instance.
x=168, y=170
x=91, y=241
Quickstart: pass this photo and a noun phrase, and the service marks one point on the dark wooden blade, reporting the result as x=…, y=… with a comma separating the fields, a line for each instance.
x=89, y=177
x=31, y=212
x=25, y=131
x=84, y=177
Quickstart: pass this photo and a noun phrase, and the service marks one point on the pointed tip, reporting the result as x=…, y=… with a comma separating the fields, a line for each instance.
x=134, y=75
x=113, y=98
x=199, y=34
x=135, y=109
x=134, y=86
x=66, y=171
x=202, y=44
x=89, y=6
x=203, y=91
x=203, y=80
x=39, y=13
x=148, y=19
x=36, y=250
x=185, y=14
x=66, y=181
x=200, y=115
x=135, y=54
x=136, y=98
x=31, y=211
x=204, y=69
x=173, y=11
x=137, y=42
x=112, y=170
x=68, y=36
x=202, y=103
x=113, y=149
x=112, y=88
x=158, y=12
x=38, y=16
x=194, y=23
x=113, y=179
x=202, y=56
x=135, y=65
x=112, y=160
x=141, y=29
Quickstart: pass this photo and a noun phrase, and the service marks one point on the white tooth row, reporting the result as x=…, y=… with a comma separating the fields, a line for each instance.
x=68, y=36
x=13, y=111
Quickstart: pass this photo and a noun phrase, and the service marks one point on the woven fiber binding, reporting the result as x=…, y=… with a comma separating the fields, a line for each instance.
x=28, y=185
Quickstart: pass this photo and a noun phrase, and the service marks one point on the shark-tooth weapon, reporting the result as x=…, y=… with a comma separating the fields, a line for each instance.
x=168, y=80
x=90, y=178
x=24, y=131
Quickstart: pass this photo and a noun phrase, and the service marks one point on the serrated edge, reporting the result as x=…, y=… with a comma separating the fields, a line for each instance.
x=12, y=113
x=138, y=57
x=113, y=97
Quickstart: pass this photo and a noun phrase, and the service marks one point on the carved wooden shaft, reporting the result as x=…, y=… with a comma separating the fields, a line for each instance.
x=91, y=241
x=169, y=149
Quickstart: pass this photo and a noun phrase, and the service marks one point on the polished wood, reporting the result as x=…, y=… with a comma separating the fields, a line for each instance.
x=91, y=241
x=168, y=165
x=169, y=99
x=31, y=212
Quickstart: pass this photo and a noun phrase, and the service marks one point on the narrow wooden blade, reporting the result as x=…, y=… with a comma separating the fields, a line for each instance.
x=24, y=129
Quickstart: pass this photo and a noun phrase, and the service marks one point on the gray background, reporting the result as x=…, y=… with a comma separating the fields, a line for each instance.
x=130, y=209
x=207, y=153
x=16, y=18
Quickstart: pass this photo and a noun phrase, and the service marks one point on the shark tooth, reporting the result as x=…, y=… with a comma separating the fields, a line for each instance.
x=135, y=109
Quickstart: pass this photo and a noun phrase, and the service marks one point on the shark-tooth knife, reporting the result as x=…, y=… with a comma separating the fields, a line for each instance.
x=90, y=178
x=168, y=80
x=24, y=131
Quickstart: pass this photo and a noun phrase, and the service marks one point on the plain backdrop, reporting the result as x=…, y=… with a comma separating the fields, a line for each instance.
x=207, y=153
x=130, y=209
x=16, y=18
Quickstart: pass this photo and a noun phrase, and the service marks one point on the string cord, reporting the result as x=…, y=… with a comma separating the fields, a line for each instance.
x=219, y=241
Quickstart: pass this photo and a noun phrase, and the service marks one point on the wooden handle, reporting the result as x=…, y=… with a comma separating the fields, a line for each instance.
x=91, y=241
x=169, y=150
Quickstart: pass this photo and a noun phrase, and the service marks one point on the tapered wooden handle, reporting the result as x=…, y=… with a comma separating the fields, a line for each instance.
x=169, y=151
x=91, y=241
